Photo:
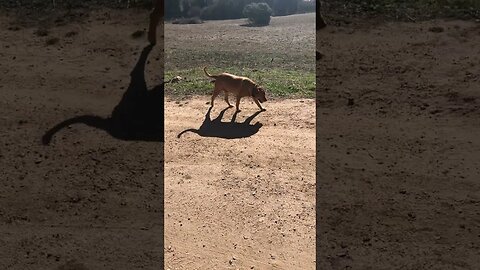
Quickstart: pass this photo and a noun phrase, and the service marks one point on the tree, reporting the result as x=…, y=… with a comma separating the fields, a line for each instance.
x=172, y=9
x=285, y=7
x=258, y=13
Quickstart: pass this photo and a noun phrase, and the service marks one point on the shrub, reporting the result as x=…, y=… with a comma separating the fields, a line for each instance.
x=194, y=20
x=258, y=13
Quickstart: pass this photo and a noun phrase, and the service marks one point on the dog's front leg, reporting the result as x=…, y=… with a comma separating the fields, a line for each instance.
x=258, y=104
x=238, y=103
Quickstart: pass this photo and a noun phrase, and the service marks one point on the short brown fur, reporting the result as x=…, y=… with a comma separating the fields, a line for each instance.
x=239, y=86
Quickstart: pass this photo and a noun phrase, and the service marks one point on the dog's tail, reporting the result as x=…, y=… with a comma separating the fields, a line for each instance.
x=187, y=130
x=208, y=74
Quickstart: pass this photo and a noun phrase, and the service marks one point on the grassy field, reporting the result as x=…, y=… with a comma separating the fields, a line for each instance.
x=279, y=56
x=291, y=83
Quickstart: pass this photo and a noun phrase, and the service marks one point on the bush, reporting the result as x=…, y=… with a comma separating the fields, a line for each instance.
x=193, y=20
x=258, y=13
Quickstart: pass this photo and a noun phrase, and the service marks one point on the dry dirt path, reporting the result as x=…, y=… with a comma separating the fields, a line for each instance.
x=399, y=169
x=87, y=200
x=245, y=202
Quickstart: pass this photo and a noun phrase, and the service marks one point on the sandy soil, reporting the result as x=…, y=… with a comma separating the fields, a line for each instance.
x=240, y=203
x=88, y=200
x=398, y=168
x=241, y=194
x=80, y=190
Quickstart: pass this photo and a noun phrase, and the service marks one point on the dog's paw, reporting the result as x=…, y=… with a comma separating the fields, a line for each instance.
x=263, y=109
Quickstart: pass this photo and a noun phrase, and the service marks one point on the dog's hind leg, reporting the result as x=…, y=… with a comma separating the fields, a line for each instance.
x=216, y=91
x=226, y=99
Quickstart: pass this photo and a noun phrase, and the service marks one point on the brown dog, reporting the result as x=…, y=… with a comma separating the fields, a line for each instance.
x=239, y=86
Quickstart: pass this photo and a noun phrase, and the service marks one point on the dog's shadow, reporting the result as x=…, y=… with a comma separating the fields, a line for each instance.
x=138, y=116
x=226, y=130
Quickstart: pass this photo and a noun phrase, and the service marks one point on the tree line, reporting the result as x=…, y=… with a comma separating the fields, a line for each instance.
x=231, y=9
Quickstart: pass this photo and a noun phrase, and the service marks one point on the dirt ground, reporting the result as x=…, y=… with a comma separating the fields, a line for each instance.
x=240, y=203
x=88, y=200
x=79, y=191
x=397, y=169
x=398, y=164
x=241, y=194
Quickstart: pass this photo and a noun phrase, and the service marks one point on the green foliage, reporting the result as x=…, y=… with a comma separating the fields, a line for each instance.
x=192, y=20
x=258, y=13
x=223, y=10
x=306, y=6
x=233, y=9
x=285, y=7
x=172, y=9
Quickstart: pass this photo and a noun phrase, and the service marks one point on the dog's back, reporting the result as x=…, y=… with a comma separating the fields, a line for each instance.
x=227, y=76
x=238, y=85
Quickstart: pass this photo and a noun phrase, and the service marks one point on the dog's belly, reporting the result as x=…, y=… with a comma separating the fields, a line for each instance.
x=233, y=86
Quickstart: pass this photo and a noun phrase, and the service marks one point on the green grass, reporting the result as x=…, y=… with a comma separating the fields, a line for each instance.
x=288, y=75
x=277, y=82
x=280, y=59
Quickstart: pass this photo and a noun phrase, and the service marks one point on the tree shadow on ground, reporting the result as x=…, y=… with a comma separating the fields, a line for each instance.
x=139, y=115
x=226, y=130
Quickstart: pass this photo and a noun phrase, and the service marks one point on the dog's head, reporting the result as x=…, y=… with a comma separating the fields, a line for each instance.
x=259, y=93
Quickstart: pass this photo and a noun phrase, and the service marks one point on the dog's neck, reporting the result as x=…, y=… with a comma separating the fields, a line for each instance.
x=254, y=89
